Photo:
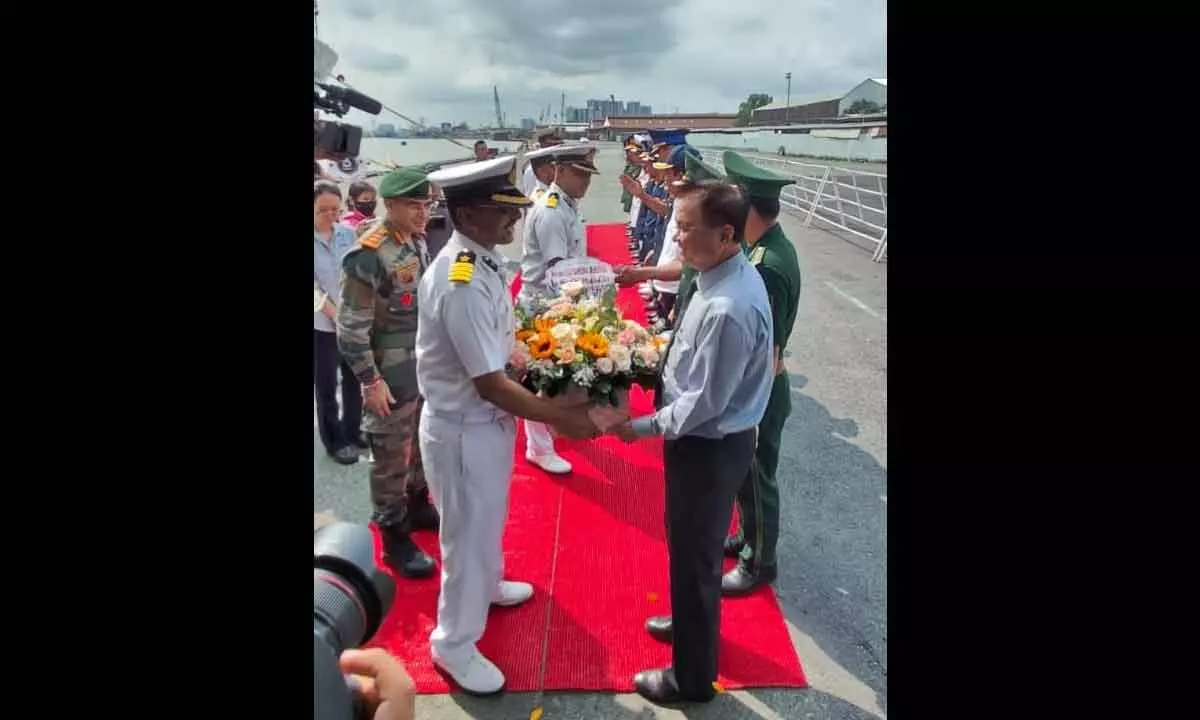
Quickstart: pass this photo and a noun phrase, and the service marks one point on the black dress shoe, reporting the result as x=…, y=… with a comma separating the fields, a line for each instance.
x=347, y=455
x=661, y=628
x=658, y=686
x=733, y=547
x=742, y=580
x=401, y=554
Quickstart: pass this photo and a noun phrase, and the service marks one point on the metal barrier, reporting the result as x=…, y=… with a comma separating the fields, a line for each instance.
x=837, y=196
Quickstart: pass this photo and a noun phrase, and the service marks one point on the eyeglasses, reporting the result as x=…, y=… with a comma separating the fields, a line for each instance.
x=429, y=205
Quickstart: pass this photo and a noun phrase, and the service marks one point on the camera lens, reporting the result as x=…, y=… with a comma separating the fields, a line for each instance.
x=350, y=593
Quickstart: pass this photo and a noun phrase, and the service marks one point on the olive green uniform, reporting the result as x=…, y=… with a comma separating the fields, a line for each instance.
x=775, y=257
x=377, y=331
x=632, y=170
x=758, y=501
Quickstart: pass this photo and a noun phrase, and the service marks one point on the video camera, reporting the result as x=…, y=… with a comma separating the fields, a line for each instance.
x=335, y=139
x=351, y=595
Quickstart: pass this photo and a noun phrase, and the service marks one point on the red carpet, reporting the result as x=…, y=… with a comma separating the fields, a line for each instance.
x=603, y=577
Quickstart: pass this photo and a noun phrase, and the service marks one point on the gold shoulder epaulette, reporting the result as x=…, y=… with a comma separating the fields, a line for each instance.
x=756, y=255
x=372, y=240
x=463, y=267
x=551, y=200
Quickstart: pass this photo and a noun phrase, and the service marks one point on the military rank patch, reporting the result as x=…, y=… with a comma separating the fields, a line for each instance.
x=756, y=255
x=552, y=200
x=373, y=240
x=463, y=267
x=406, y=271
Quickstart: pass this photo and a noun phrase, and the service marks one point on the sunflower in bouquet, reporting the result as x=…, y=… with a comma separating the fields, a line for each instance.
x=579, y=344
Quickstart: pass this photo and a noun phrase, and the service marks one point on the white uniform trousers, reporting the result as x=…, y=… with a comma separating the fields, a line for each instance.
x=469, y=468
x=538, y=440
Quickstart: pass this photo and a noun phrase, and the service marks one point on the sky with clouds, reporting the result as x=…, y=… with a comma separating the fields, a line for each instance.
x=438, y=60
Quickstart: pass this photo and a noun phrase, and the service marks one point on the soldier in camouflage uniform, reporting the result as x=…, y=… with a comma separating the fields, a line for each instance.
x=377, y=331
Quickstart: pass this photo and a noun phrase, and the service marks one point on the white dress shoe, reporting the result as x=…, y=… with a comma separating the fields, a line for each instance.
x=509, y=593
x=552, y=463
x=476, y=675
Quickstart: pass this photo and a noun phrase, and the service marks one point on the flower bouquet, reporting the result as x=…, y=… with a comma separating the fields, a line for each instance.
x=578, y=347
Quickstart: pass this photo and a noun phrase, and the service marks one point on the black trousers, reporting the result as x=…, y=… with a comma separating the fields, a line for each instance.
x=664, y=302
x=703, y=477
x=337, y=429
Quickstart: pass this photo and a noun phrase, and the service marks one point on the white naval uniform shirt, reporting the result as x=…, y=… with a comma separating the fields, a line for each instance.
x=551, y=233
x=667, y=255
x=464, y=331
x=528, y=180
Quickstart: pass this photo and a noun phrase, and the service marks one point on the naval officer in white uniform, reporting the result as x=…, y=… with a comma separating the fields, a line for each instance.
x=554, y=231
x=546, y=137
x=541, y=165
x=467, y=431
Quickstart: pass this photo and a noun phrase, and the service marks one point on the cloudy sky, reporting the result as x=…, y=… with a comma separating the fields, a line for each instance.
x=439, y=60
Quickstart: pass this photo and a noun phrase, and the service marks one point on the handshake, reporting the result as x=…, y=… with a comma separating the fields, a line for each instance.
x=590, y=421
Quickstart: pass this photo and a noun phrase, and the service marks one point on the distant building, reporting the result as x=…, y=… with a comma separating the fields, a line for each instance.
x=872, y=90
x=616, y=127
x=527, y=123
x=600, y=110
x=780, y=113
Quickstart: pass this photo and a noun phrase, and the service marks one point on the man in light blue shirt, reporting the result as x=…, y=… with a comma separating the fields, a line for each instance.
x=716, y=381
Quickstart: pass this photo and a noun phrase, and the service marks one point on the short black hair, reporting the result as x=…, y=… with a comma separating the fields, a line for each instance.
x=722, y=205
x=481, y=142
x=767, y=208
x=358, y=188
x=325, y=188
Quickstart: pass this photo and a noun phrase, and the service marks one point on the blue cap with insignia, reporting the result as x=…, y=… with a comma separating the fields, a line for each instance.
x=488, y=182
x=675, y=160
x=671, y=136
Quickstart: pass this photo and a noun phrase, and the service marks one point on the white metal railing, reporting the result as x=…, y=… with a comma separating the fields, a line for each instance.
x=851, y=200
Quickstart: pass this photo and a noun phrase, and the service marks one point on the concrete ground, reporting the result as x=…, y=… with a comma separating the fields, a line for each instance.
x=833, y=480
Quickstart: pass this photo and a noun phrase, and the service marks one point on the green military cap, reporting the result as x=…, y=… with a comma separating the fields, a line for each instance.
x=698, y=172
x=757, y=182
x=404, y=182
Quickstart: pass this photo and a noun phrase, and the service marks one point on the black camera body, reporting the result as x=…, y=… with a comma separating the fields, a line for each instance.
x=337, y=139
x=351, y=596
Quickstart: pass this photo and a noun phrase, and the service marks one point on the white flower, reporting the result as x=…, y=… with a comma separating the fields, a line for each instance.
x=571, y=289
x=605, y=366
x=563, y=334
x=621, y=357
x=648, y=355
x=583, y=376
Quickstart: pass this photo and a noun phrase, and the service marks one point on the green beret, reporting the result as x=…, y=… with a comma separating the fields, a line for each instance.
x=404, y=182
x=757, y=182
x=698, y=172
